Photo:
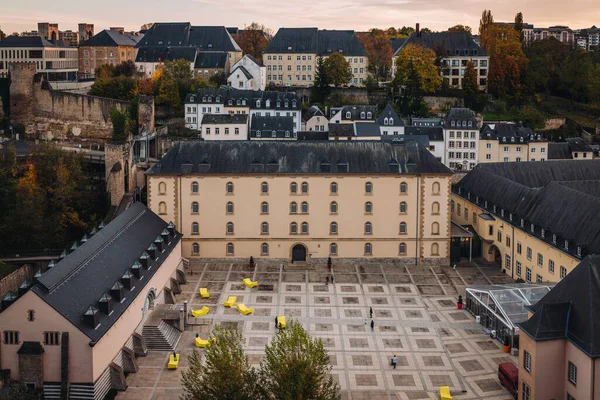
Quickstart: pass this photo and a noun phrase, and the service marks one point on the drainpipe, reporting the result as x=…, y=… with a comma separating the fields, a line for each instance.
x=417, y=220
x=593, y=378
x=180, y=206
x=512, y=259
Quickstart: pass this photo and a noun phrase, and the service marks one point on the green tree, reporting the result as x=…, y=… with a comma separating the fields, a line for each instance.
x=2, y=35
x=545, y=60
x=423, y=61
x=338, y=69
x=532, y=117
x=296, y=366
x=168, y=94
x=470, y=86
x=485, y=24
x=118, y=87
x=119, y=118
x=226, y=373
x=519, y=25
x=595, y=84
x=320, y=89
x=218, y=79
x=406, y=31
x=460, y=28
x=575, y=75
x=178, y=70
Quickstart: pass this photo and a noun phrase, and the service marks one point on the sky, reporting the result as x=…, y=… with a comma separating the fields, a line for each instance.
x=23, y=15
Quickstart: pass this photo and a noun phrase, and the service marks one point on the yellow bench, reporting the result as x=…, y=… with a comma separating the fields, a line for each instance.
x=445, y=393
x=201, y=312
x=243, y=309
x=230, y=301
x=202, y=343
x=281, y=322
x=173, y=361
x=249, y=283
x=204, y=293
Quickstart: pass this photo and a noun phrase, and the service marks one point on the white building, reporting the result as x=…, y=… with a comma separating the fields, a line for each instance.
x=461, y=138
x=390, y=122
x=248, y=74
x=225, y=127
x=349, y=114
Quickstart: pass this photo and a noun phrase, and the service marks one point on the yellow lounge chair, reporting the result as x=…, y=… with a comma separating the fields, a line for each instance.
x=204, y=293
x=445, y=393
x=173, y=361
x=201, y=312
x=243, y=309
x=202, y=343
x=230, y=301
x=249, y=283
x=281, y=322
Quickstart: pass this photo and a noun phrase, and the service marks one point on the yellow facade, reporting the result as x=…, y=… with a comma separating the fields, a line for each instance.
x=493, y=151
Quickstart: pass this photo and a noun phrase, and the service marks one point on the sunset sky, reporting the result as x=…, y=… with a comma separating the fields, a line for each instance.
x=21, y=15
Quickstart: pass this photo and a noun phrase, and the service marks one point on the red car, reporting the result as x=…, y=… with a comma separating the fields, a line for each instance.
x=508, y=373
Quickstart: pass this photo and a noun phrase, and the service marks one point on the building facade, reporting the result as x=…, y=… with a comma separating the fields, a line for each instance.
x=300, y=200
x=225, y=127
x=461, y=137
x=272, y=128
x=390, y=122
x=509, y=142
x=315, y=120
x=248, y=74
x=109, y=47
x=350, y=114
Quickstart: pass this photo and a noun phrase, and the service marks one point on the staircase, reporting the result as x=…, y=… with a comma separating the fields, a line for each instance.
x=163, y=337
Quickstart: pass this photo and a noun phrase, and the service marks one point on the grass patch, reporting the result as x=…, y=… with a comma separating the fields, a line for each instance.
x=500, y=117
x=6, y=269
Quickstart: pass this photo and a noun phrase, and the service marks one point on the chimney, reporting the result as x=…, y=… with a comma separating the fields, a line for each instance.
x=171, y=228
x=91, y=317
x=136, y=269
x=152, y=252
x=145, y=260
x=418, y=29
x=158, y=242
x=165, y=236
x=105, y=304
x=117, y=292
x=118, y=29
x=128, y=280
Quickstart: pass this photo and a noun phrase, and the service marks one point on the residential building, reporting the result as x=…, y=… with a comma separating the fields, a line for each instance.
x=248, y=74
x=56, y=63
x=207, y=64
x=227, y=100
x=436, y=146
x=509, y=142
x=561, y=33
x=461, y=135
x=456, y=49
x=570, y=149
x=314, y=120
x=304, y=200
x=349, y=114
x=559, y=355
x=75, y=330
x=86, y=31
x=272, y=128
x=367, y=131
x=291, y=57
x=390, y=122
x=538, y=220
x=527, y=31
x=109, y=47
x=151, y=58
x=225, y=126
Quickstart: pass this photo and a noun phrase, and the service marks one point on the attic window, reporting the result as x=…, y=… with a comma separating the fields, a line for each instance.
x=522, y=222
x=290, y=48
x=160, y=42
x=470, y=123
x=578, y=251
x=286, y=104
x=258, y=133
x=532, y=228
x=369, y=115
x=210, y=99
x=210, y=45
x=274, y=134
x=230, y=102
x=566, y=245
x=294, y=103
x=348, y=115
x=192, y=98
x=554, y=239
x=342, y=166
x=278, y=103
x=325, y=166
x=543, y=233
x=453, y=123
x=362, y=115
x=494, y=209
x=218, y=99
x=204, y=99
x=394, y=166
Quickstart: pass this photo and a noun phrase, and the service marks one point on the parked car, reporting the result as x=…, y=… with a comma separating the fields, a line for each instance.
x=508, y=373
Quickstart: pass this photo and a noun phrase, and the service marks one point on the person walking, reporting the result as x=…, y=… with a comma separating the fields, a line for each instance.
x=332, y=279
x=394, y=361
x=371, y=312
x=372, y=326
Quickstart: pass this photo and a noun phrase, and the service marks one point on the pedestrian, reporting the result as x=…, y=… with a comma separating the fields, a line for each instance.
x=332, y=278
x=371, y=312
x=372, y=326
x=276, y=323
x=394, y=361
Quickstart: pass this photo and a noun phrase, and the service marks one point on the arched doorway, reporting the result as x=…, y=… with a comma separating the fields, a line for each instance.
x=149, y=302
x=299, y=253
x=494, y=254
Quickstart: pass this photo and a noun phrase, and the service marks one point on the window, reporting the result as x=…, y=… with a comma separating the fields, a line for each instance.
x=304, y=207
x=264, y=188
x=293, y=188
x=458, y=209
x=402, y=249
x=162, y=208
x=540, y=259
x=264, y=207
x=368, y=187
x=528, y=275
x=527, y=361
x=572, y=373
x=403, y=207
x=264, y=228
x=304, y=187
x=333, y=249
x=162, y=188
x=195, y=207
x=452, y=205
x=402, y=228
x=195, y=249
x=519, y=248
x=368, y=228
x=507, y=241
x=526, y=392
x=333, y=228
x=403, y=188
x=368, y=249
x=551, y=266
x=293, y=207
x=229, y=208
x=368, y=207
x=435, y=249
x=435, y=208
x=229, y=188
x=333, y=207
x=563, y=272
x=435, y=228
x=293, y=228
x=11, y=337
x=507, y=262
x=518, y=269
x=304, y=228
x=529, y=253
x=229, y=249
x=333, y=188
x=195, y=228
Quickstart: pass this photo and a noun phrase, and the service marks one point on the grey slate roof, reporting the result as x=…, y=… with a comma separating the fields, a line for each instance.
x=224, y=119
x=578, y=144
x=294, y=157
x=266, y=126
x=345, y=130
x=314, y=41
x=226, y=94
x=163, y=53
x=244, y=71
x=434, y=133
x=313, y=111
x=423, y=140
x=366, y=129
x=449, y=44
x=211, y=59
x=212, y=38
x=109, y=38
x=458, y=115
x=25, y=41
x=559, y=151
x=397, y=43
x=507, y=133
x=204, y=38
x=84, y=276
x=344, y=42
x=571, y=310
x=355, y=112
x=312, y=135
x=388, y=112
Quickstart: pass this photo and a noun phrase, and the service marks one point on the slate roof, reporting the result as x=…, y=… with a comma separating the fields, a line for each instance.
x=507, y=133
x=578, y=144
x=84, y=276
x=204, y=38
x=294, y=157
x=388, y=112
x=110, y=38
x=571, y=309
x=366, y=129
x=212, y=38
x=25, y=41
x=313, y=111
x=344, y=42
x=244, y=71
x=225, y=94
x=397, y=43
x=162, y=53
x=266, y=125
x=355, y=112
x=345, y=130
x=315, y=41
x=458, y=115
x=312, y=135
x=224, y=119
x=212, y=59
x=400, y=139
x=559, y=151
x=434, y=133
x=447, y=43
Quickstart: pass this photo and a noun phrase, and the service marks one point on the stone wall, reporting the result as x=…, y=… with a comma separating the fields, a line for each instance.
x=31, y=369
x=14, y=280
x=554, y=123
x=443, y=103
x=115, y=157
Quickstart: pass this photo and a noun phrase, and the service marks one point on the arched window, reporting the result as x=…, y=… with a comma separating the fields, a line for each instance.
x=229, y=249
x=368, y=207
x=194, y=187
x=369, y=115
x=403, y=188
x=304, y=228
x=435, y=249
x=257, y=103
x=162, y=188
x=333, y=249
x=368, y=187
x=264, y=228
x=229, y=208
x=293, y=188
x=264, y=249
x=333, y=188
x=362, y=115
x=230, y=228
x=264, y=188
x=402, y=228
x=264, y=207
x=435, y=188
x=435, y=228
x=268, y=103
x=385, y=121
x=293, y=207
x=294, y=103
x=195, y=207
x=195, y=249
x=162, y=208
x=304, y=207
x=293, y=228
x=348, y=115
x=402, y=249
x=391, y=122
x=403, y=207
x=304, y=187
x=229, y=187
x=274, y=134
x=333, y=207
x=195, y=228
x=435, y=208
x=333, y=228
x=368, y=228
x=368, y=249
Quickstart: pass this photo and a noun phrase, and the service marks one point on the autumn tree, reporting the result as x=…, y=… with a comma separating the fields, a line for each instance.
x=470, y=86
x=406, y=31
x=168, y=94
x=379, y=50
x=519, y=26
x=508, y=63
x=423, y=61
x=460, y=28
x=338, y=69
x=254, y=39
x=485, y=24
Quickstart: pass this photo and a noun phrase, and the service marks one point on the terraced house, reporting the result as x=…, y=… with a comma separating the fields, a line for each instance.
x=508, y=142
x=297, y=200
x=291, y=57
x=537, y=219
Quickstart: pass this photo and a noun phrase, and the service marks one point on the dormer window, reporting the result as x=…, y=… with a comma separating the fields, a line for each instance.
x=258, y=133
x=274, y=134
x=278, y=103
x=244, y=102
x=348, y=115
x=494, y=208
x=470, y=123
x=522, y=222
x=218, y=99
x=510, y=216
x=578, y=251
x=543, y=233
x=391, y=121
x=210, y=99
x=532, y=228
x=566, y=245
x=485, y=204
x=554, y=239
x=453, y=123
x=502, y=212
x=464, y=123
x=204, y=99
x=385, y=121
x=369, y=115
x=362, y=115
x=268, y=103
x=238, y=102
x=286, y=104
x=294, y=103
x=257, y=103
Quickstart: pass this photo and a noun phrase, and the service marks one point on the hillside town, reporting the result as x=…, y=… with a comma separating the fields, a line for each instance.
x=213, y=212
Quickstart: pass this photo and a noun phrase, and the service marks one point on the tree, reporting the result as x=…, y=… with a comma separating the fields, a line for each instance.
x=485, y=24
x=126, y=68
x=575, y=75
x=460, y=28
x=296, y=366
x=119, y=118
x=406, y=31
x=178, y=70
x=168, y=94
x=519, y=25
x=507, y=62
x=338, y=69
x=379, y=50
x=545, y=60
x=254, y=39
x=423, y=61
x=218, y=79
x=595, y=84
x=120, y=87
x=225, y=374
x=532, y=117
x=28, y=216
x=2, y=35
x=470, y=86
x=320, y=89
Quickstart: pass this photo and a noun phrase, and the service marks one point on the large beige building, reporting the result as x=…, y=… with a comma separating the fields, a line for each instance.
x=303, y=200
x=508, y=142
x=109, y=47
x=538, y=220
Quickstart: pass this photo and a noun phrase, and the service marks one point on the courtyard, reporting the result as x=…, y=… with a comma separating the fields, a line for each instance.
x=415, y=314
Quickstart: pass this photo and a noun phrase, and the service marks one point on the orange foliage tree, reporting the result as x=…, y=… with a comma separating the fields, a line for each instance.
x=254, y=39
x=508, y=62
x=379, y=50
x=422, y=60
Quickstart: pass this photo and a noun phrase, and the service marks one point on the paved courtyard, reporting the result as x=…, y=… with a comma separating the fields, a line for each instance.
x=414, y=309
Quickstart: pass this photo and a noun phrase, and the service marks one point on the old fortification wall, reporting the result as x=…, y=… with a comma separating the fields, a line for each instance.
x=14, y=280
